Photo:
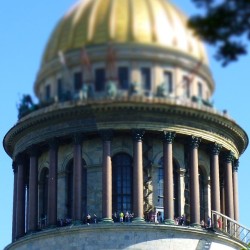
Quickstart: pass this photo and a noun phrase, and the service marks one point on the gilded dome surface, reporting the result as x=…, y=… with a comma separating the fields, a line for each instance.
x=147, y=22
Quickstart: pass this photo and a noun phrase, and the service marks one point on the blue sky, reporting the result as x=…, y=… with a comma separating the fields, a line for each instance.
x=24, y=30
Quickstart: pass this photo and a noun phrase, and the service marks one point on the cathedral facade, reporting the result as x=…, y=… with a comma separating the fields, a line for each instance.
x=124, y=124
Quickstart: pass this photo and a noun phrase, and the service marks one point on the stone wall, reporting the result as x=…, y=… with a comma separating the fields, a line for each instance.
x=125, y=236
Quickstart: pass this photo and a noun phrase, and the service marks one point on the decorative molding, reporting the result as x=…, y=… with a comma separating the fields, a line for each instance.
x=229, y=157
x=168, y=136
x=195, y=141
x=138, y=134
x=236, y=165
x=215, y=148
x=81, y=117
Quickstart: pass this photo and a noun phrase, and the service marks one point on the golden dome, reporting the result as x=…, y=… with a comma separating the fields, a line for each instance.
x=147, y=22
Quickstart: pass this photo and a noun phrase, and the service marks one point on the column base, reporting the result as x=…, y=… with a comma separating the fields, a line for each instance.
x=169, y=222
x=107, y=221
x=77, y=222
x=195, y=225
x=51, y=226
x=32, y=232
x=138, y=220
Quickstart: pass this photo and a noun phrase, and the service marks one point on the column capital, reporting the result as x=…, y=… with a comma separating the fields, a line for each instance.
x=32, y=150
x=78, y=138
x=168, y=136
x=106, y=134
x=181, y=172
x=215, y=148
x=194, y=141
x=236, y=165
x=19, y=159
x=222, y=184
x=53, y=143
x=229, y=157
x=14, y=167
x=138, y=134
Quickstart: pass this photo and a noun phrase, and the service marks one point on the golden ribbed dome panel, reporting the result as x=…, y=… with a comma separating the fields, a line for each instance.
x=81, y=24
x=152, y=22
x=120, y=21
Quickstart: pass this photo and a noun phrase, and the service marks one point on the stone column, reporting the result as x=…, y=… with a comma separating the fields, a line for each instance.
x=215, y=178
x=33, y=192
x=181, y=191
x=52, y=184
x=194, y=183
x=14, y=202
x=168, y=191
x=208, y=212
x=138, y=176
x=222, y=197
x=77, y=179
x=229, y=199
x=235, y=190
x=20, y=204
x=106, y=176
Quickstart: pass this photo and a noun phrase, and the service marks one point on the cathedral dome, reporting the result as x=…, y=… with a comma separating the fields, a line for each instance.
x=110, y=34
x=94, y=22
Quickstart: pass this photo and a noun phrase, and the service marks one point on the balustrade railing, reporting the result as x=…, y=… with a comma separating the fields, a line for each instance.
x=231, y=228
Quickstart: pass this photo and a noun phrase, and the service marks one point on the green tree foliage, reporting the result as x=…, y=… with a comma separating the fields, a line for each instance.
x=223, y=24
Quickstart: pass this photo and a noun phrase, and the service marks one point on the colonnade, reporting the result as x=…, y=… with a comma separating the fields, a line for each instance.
x=29, y=224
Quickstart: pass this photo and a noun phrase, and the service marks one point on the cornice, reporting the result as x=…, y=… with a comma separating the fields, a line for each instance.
x=154, y=115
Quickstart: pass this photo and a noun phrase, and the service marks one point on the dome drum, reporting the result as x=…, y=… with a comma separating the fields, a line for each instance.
x=129, y=55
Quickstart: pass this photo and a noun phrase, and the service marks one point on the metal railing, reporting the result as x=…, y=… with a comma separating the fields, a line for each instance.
x=231, y=228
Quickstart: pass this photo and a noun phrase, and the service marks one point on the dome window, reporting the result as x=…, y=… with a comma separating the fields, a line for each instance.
x=99, y=79
x=123, y=76
x=168, y=81
x=47, y=92
x=77, y=81
x=59, y=88
x=146, y=78
x=200, y=90
x=186, y=86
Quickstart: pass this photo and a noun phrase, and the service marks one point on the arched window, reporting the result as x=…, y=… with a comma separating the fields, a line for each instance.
x=84, y=187
x=202, y=194
x=186, y=86
x=122, y=182
x=43, y=193
x=69, y=189
x=175, y=188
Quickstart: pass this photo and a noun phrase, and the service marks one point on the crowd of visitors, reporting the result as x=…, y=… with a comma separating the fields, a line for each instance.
x=122, y=217
x=151, y=217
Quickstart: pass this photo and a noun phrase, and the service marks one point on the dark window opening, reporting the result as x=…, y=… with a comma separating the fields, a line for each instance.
x=77, y=81
x=47, y=93
x=43, y=198
x=59, y=88
x=202, y=194
x=122, y=183
x=146, y=78
x=99, y=79
x=168, y=81
x=69, y=189
x=123, y=76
